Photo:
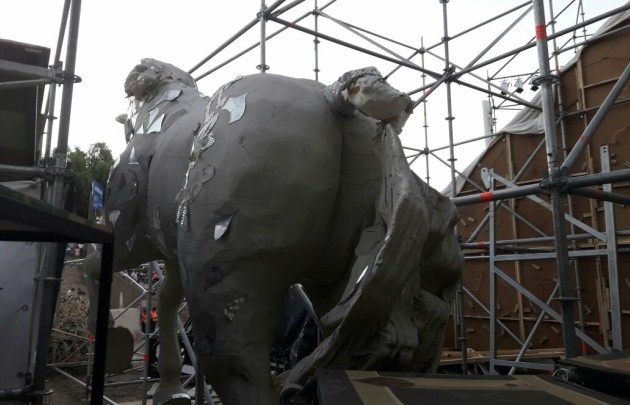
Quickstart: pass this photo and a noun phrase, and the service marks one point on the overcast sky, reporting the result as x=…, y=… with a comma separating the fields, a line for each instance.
x=116, y=34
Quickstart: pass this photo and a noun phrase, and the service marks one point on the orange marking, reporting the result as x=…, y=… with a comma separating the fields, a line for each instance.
x=487, y=196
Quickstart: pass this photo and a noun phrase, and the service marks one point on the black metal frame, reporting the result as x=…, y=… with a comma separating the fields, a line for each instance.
x=23, y=218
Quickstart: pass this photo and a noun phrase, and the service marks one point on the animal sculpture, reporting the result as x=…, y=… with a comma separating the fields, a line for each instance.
x=274, y=181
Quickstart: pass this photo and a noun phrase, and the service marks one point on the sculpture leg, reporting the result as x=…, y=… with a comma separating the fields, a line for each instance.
x=170, y=296
x=234, y=323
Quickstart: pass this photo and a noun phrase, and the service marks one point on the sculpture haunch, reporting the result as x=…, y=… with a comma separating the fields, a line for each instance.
x=271, y=182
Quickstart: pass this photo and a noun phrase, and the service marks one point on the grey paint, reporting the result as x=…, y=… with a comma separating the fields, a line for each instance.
x=267, y=184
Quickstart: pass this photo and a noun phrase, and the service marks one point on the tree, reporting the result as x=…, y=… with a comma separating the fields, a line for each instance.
x=93, y=165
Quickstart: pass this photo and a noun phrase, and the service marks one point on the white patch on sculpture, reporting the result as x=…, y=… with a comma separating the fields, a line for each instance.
x=221, y=228
x=111, y=170
x=168, y=96
x=202, y=141
x=233, y=307
x=211, y=120
x=133, y=159
x=182, y=216
x=235, y=106
x=113, y=217
x=130, y=242
x=156, y=125
x=362, y=274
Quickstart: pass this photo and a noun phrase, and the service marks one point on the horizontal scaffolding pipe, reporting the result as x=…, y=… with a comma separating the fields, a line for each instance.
x=521, y=191
x=601, y=195
x=18, y=84
x=598, y=179
x=541, y=239
x=23, y=171
x=540, y=256
x=497, y=195
x=479, y=138
x=589, y=109
x=31, y=71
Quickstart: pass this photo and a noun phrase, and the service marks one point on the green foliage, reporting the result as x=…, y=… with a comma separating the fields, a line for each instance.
x=93, y=165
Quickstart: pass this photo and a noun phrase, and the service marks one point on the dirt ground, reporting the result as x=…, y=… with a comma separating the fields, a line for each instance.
x=67, y=391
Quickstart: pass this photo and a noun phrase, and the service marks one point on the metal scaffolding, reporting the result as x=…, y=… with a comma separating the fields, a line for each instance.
x=47, y=221
x=558, y=185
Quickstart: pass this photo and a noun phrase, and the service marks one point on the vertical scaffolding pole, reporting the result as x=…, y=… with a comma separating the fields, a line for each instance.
x=493, y=278
x=102, y=323
x=563, y=135
x=66, y=102
x=263, y=37
x=611, y=248
x=51, y=264
x=555, y=182
x=316, y=41
x=450, y=118
x=425, y=125
x=52, y=89
x=147, y=332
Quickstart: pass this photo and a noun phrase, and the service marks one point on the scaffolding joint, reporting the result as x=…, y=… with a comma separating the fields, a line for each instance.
x=559, y=182
x=54, y=171
x=63, y=75
x=550, y=78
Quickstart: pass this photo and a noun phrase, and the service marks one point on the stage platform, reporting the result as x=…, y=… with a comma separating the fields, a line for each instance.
x=384, y=388
x=608, y=372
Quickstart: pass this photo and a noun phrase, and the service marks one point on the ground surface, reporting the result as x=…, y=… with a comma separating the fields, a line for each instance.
x=67, y=391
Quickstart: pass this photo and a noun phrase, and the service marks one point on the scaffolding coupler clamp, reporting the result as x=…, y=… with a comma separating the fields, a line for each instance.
x=54, y=171
x=537, y=81
x=63, y=74
x=560, y=182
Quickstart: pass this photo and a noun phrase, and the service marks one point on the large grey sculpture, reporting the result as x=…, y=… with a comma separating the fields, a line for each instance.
x=270, y=182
